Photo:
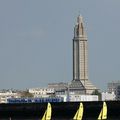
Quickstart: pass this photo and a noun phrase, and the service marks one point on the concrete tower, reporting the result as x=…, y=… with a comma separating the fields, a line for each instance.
x=80, y=52
x=80, y=58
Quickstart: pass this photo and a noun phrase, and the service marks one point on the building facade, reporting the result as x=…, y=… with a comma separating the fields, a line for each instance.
x=42, y=92
x=114, y=87
x=106, y=96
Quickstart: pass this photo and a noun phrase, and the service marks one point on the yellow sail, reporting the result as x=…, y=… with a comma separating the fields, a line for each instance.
x=103, y=113
x=79, y=113
x=48, y=112
x=43, y=118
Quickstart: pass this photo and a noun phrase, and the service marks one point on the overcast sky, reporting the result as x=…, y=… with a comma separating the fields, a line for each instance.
x=36, y=41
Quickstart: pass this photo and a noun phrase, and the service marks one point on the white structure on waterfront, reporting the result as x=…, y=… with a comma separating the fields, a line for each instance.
x=77, y=98
x=80, y=60
x=108, y=96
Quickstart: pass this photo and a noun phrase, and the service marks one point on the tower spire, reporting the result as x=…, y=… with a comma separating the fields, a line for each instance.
x=80, y=26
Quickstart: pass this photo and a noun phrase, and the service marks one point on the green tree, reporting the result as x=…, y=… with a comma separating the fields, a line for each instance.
x=26, y=94
x=96, y=92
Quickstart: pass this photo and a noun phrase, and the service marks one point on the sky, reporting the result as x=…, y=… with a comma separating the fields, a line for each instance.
x=36, y=41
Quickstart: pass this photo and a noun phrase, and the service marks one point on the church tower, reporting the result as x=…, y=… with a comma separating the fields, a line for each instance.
x=80, y=59
x=80, y=52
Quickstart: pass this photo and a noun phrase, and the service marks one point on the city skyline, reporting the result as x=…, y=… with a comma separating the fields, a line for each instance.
x=36, y=41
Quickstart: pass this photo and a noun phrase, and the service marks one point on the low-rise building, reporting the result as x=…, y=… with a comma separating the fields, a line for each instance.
x=5, y=94
x=112, y=86
x=42, y=92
